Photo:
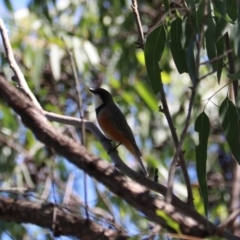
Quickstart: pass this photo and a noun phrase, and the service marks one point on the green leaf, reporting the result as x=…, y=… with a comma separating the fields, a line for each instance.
x=38, y=63
x=229, y=121
x=146, y=95
x=238, y=30
x=211, y=42
x=190, y=59
x=8, y=5
x=153, y=50
x=220, y=50
x=232, y=8
x=220, y=27
x=234, y=76
x=190, y=4
x=202, y=126
x=46, y=12
x=200, y=14
x=189, y=28
x=220, y=6
x=176, y=45
x=166, y=5
x=238, y=101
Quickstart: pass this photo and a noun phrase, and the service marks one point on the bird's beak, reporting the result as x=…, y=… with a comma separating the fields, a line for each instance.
x=92, y=90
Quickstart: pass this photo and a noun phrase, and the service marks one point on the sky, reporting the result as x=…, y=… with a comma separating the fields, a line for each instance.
x=17, y=4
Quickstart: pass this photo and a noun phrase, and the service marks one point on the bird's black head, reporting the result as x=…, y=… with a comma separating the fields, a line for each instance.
x=101, y=96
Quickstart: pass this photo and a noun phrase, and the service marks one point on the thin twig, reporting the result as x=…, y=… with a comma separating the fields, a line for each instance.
x=77, y=84
x=19, y=77
x=81, y=112
x=217, y=58
x=178, y=156
x=106, y=201
x=206, y=75
x=141, y=39
x=216, y=92
x=18, y=148
x=68, y=189
x=230, y=220
x=178, y=153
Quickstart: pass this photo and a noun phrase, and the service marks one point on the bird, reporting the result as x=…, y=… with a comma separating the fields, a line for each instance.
x=113, y=123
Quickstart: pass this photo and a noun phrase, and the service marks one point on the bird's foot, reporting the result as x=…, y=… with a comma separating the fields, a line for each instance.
x=114, y=148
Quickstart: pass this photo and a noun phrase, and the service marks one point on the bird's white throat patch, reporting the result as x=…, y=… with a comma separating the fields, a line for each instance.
x=97, y=101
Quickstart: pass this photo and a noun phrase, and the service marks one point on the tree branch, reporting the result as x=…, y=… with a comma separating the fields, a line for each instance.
x=60, y=118
x=19, y=77
x=136, y=195
x=178, y=153
x=66, y=223
x=141, y=39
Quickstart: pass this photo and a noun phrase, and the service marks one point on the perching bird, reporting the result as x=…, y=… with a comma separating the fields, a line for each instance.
x=113, y=123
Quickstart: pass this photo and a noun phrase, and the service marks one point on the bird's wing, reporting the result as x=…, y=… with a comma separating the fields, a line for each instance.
x=119, y=120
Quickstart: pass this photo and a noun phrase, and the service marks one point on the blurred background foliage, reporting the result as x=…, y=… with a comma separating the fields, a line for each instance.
x=102, y=37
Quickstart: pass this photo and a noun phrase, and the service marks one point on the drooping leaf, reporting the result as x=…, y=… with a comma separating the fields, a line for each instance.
x=231, y=6
x=46, y=13
x=153, y=50
x=91, y=52
x=38, y=63
x=77, y=45
x=220, y=27
x=238, y=30
x=166, y=5
x=202, y=126
x=221, y=10
x=176, y=45
x=211, y=42
x=238, y=101
x=201, y=14
x=234, y=76
x=56, y=55
x=220, y=50
x=189, y=30
x=220, y=7
x=229, y=121
x=190, y=59
x=190, y=4
x=8, y=5
x=146, y=95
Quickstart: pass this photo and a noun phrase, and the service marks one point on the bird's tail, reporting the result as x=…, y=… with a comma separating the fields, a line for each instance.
x=141, y=164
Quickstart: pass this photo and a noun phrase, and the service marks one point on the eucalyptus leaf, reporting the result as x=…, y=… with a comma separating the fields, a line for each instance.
x=176, y=45
x=211, y=42
x=229, y=121
x=153, y=50
x=146, y=95
x=8, y=4
x=202, y=126
x=190, y=59
x=232, y=9
x=220, y=50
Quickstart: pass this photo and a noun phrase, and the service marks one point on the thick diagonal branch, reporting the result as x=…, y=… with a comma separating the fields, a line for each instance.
x=136, y=195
